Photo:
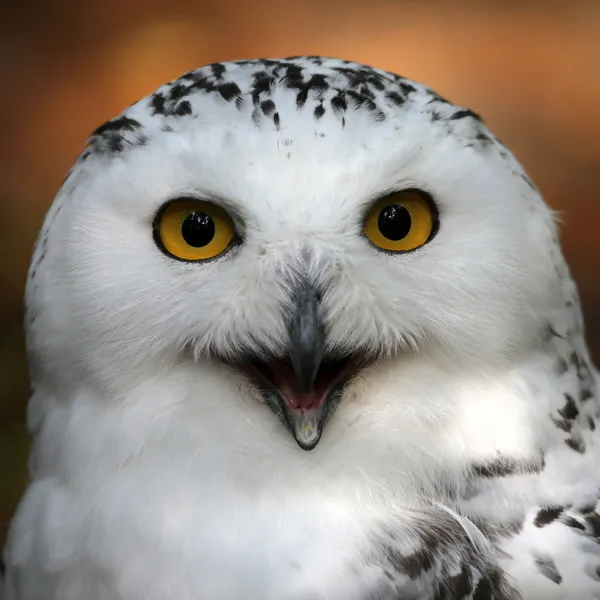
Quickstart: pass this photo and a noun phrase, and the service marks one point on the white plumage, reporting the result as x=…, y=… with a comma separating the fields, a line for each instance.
x=460, y=459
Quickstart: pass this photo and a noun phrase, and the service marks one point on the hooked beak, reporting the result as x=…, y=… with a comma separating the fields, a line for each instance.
x=305, y=414
x=304, y=388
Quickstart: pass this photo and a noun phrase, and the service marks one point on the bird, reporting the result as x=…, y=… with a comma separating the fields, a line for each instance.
x=302, y=329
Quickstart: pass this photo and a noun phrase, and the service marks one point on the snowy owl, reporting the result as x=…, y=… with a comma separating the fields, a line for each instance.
x=301, y=329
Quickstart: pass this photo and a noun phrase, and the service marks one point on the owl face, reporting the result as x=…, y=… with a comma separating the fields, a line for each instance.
x=300, y=245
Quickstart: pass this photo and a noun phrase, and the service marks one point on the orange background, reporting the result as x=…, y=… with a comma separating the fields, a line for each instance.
x=532, y=69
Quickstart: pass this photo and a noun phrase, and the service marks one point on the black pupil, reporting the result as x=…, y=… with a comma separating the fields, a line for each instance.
x=394, y=222
x=198, y=229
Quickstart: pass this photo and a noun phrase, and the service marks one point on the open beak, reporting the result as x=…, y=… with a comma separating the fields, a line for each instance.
x=305, y=387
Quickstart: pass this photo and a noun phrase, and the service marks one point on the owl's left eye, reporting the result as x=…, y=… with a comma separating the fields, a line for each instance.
x=193, y=230
x=401, y=221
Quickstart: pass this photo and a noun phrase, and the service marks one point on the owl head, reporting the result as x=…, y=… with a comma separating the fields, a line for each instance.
x=300, y=232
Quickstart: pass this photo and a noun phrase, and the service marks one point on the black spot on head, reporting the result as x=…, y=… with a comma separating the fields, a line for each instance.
x=359, y=101
x=378, y=117
x=435, y=97
x=262, y=85
x=217, y=70
x=202, y=83
x=463, y=114
x=396, y=98
x=157, y=103
x=119, y=124
x=317, y=83
x=268, y=107
x=301, y=98
x=338, y=103
x=183, y=108
x=366, y=92
x=177, y=92
x=547, y=515
x=362, y=79
x=293, y=76
x=115, y=134
x=229, y=91
x=319, y=111
x=408, y=88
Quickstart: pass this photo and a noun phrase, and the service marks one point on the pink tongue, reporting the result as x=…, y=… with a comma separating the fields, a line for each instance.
x=286, y=382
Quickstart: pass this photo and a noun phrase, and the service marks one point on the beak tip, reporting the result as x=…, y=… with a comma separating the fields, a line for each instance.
x=307, y=447
x=306, y=427
x=309, y=442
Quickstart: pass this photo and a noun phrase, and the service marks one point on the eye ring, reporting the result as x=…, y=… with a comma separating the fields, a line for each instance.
x=402, y=221
x=189, y=229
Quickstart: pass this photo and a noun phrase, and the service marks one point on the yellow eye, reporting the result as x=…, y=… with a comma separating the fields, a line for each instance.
x=400, y=222
x=193, y=230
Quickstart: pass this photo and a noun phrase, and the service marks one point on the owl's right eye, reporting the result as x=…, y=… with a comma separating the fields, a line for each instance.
x=193, y=230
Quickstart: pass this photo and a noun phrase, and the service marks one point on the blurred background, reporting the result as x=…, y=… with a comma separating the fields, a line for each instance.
x=531, y=68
